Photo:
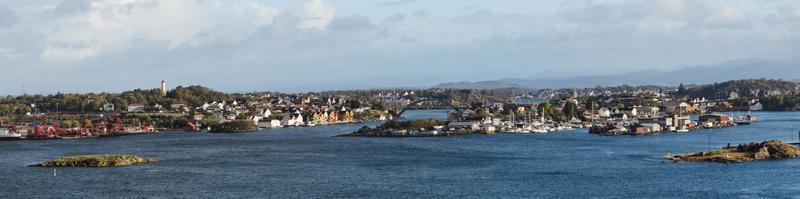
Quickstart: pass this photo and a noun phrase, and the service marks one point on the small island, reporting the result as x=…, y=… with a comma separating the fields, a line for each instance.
x=768, y=150
x=236, y=126
x=96, y=161
x=411, y=128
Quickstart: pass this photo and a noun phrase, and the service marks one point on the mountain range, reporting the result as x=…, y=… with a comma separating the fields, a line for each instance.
x=788, y=69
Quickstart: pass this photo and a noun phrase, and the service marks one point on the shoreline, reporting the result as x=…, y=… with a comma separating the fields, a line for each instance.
x=767, y=150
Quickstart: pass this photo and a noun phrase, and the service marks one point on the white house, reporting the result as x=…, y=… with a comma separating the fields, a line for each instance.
x=292, y=120
x=604, y=112
x=755, y=105
x=214, y=106
x=633, y=112
x=650, y=111
x=263, y=114
x=271, y=124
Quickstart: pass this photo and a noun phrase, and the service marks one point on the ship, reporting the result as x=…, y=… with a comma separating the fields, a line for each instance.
x=9, y=134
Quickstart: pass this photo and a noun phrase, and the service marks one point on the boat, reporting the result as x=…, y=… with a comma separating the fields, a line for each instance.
x=192, y=127
x=747, y=120
x=539, y=130
x=76, y=137
x=6, y=134
x=708, y=125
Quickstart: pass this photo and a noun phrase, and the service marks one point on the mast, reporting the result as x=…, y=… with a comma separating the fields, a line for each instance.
x=593, y=114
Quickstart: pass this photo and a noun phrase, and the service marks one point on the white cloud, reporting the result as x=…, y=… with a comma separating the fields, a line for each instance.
x=257, y=13
x=114, y=25
x=315, y=14
x=792, y=10
x=727, y=16
x=354, y=22
x=675, y=9
x=196, y=37
x=7, y=17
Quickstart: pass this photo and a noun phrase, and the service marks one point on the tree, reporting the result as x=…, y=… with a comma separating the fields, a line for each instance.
x=681, y=90
x=547, y=109
x=571, y=110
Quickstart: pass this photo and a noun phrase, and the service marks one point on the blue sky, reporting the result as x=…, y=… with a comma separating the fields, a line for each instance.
x=298, y=45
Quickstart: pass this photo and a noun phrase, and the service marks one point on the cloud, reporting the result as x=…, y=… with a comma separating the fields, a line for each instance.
x=86, y=29
x=354, y=22
x=8, y=17
x=727, y=16
x=394, y=3
x=792, y=10
x=422, y=13
x=315, y=14
x=692, y=14
x=88, y=38
x=677, y=9
x=394, y=19
x=71, y=7
x=256, y=13
x=110, y=26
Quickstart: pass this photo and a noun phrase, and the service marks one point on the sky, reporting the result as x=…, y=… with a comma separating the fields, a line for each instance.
x=49, y=46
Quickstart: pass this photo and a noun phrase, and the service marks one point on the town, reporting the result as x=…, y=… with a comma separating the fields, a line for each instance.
x=622, y=110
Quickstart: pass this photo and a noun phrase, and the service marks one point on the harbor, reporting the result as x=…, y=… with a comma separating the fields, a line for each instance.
x=201, y=160
x=99, y=127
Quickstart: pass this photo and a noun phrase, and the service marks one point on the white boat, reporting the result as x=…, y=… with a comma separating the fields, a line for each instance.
x=539, y=130
x=5, y=134
x=747, y=120
x=511, y=130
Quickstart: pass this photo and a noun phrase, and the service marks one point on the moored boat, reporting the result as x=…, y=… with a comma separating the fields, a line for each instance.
x=6, y=134
x=747, y=120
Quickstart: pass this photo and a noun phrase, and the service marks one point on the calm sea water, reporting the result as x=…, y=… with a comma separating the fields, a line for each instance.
x=313, y=163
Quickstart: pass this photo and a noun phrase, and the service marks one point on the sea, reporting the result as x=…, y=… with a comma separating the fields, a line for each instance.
x=315, y=162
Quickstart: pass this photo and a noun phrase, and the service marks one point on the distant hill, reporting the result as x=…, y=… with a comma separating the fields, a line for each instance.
x=748, y=88
x=480, y=85
x=731, y=70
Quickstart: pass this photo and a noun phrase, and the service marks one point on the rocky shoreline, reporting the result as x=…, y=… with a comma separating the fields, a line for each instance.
x=96, y=161
x=767, y=150
x=236, y=126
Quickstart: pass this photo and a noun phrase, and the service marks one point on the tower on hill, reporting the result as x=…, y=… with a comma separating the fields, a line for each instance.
x=163, y=88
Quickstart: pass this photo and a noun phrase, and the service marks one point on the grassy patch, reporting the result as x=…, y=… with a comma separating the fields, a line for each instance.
x=96, y=161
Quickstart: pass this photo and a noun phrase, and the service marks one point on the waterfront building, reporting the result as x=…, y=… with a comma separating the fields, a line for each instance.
x=294, y=119
x=470, y=125
x=714, y=118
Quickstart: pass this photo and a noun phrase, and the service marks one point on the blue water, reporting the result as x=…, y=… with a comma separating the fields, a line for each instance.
x=313, y=163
